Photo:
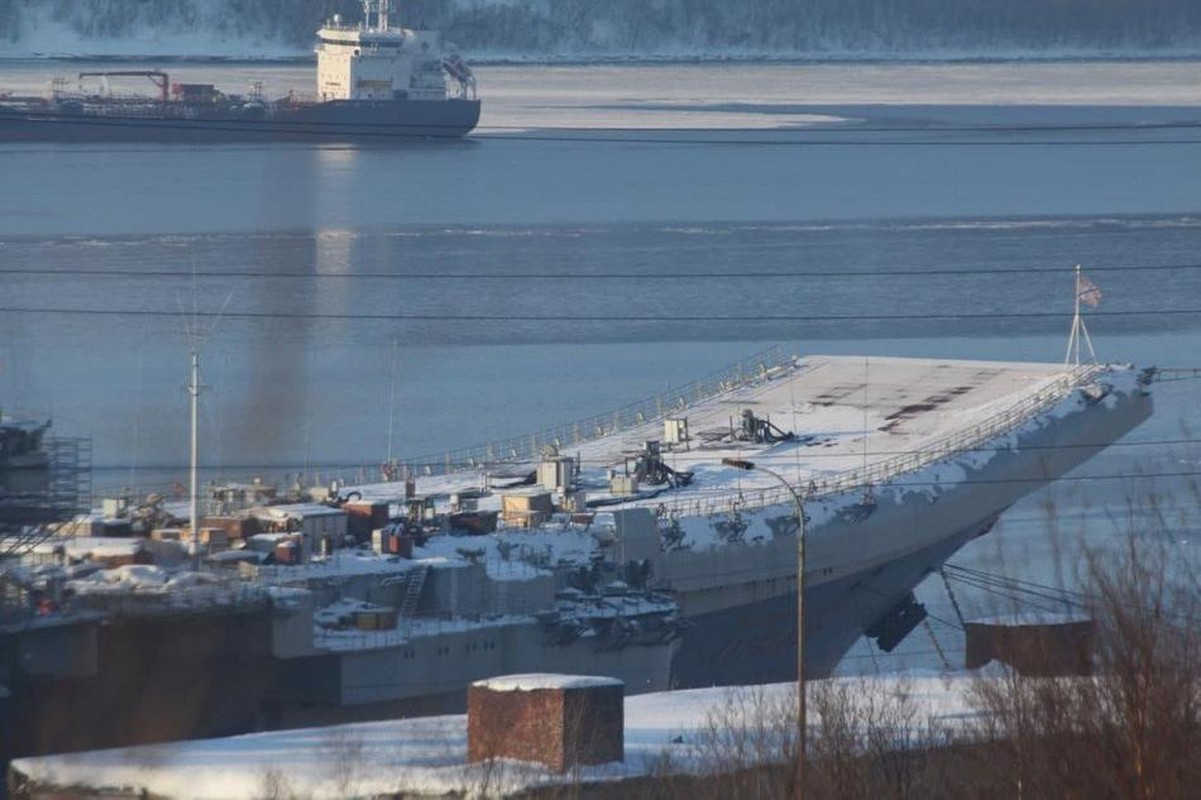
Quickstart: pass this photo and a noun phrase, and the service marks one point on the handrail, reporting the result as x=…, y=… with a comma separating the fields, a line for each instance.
x=764, y=365
x=730, y=500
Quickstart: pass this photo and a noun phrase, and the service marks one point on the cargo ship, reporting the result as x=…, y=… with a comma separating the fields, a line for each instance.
x=375, y=83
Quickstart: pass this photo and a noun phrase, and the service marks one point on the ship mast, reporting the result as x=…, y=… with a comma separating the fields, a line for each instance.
x=193, y=488
x=382, y=9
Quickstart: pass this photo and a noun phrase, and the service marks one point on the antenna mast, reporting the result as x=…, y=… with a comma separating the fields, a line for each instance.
x=194, y=488
x=382, y=10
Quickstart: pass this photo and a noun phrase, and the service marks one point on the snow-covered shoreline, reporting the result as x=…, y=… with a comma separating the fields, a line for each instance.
x=427, y=756
x=133, y=50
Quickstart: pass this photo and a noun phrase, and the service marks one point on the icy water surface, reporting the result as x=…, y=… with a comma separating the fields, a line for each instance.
x=322, y=335
x=553, y=263
x=608, y=232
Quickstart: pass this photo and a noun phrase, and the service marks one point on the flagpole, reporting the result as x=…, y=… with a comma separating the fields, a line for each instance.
x=1087, y=291
x=1074, y=336
x=1088, y=340
x=1079, y=326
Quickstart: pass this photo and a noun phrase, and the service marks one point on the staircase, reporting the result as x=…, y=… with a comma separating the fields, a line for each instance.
x=412, y=590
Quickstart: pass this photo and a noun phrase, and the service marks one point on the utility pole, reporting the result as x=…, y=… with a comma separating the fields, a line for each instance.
x=194, y=488
x=799, y=510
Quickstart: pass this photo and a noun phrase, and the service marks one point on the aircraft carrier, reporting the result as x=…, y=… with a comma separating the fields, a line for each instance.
x=657, y=544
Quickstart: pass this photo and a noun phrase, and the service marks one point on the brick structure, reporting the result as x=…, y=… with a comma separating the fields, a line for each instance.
x=1042, y=646
x=559, y=721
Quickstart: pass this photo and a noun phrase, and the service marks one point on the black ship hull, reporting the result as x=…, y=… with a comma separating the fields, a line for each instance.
x=359, y=121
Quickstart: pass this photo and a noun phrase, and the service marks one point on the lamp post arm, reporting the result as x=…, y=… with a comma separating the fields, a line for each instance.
x=798, y=789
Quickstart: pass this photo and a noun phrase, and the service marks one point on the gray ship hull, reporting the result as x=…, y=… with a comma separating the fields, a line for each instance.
x=756, y=643
x=431, y=675
x=359, y=121
x=744, y=632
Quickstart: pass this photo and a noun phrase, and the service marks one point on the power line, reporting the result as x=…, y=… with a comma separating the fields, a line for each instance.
x=729, y=492
x=584, y=319
x=927, y=451
x=456, y=454
x=506, y=276
x=1009, y=588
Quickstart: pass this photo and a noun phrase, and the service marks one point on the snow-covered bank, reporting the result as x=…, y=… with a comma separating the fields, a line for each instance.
x=428, y=755
x=666, y=29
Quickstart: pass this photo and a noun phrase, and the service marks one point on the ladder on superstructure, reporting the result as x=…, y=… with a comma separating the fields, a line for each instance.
x=412, y=590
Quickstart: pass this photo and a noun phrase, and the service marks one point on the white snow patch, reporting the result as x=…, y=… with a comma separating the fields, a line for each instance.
x=1016, y=620
x=82, y=547
x=535, y=681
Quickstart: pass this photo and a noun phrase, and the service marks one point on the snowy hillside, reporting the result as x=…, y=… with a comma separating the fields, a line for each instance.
x=618, y=28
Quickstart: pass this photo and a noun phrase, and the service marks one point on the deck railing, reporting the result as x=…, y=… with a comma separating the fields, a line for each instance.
x=763, y=365
x=880, y=472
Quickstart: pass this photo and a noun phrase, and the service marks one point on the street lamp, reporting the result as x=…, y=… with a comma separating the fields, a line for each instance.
x=799, y=509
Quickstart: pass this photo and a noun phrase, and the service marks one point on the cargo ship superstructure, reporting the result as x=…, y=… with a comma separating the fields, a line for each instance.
x=626, y=544
x=375, y=83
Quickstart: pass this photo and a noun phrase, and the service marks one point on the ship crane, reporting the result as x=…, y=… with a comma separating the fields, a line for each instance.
x=157, y=77
x=381, y=9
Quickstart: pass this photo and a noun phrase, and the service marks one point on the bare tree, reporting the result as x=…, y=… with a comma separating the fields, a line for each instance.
x=343, y=748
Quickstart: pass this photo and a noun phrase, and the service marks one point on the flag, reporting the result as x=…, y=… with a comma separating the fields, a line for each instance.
x=1087, y=291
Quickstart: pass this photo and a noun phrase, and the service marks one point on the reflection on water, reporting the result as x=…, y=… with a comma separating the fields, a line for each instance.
x=299, y=376
x=528, y=281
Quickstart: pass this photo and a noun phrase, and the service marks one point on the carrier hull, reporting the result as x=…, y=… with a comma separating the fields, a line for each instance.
x=745, y=633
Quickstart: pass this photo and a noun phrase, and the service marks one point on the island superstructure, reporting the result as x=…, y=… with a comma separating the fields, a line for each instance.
x=375, y=82
x=621, y=542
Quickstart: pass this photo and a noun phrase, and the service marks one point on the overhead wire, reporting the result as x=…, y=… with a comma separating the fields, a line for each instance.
x=342, y=468
x=583, y=319
x=990, y=449
x=998, y=584
x=577, y=275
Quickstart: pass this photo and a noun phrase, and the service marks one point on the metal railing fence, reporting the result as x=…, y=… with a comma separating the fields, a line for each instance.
x=880, y=472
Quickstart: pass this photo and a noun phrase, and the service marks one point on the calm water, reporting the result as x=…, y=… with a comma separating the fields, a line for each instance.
x=554, y=266
x=735, y=210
